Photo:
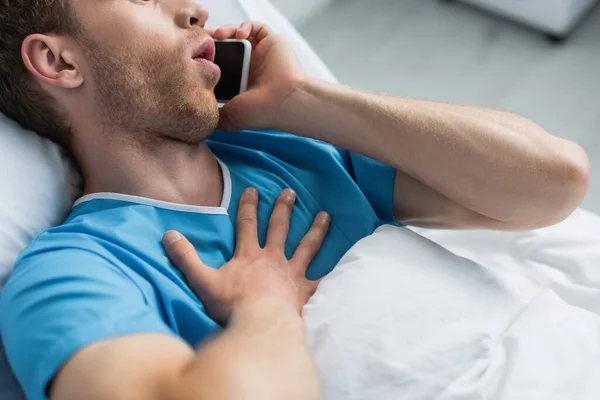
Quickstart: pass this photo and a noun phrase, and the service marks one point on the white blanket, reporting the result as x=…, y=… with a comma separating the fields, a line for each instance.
x=403, y=318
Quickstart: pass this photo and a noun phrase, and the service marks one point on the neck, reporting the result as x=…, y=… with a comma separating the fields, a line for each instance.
x=166, y=170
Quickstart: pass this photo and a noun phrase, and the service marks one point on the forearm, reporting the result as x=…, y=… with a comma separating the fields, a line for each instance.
x=261, y=355
x=485, y=160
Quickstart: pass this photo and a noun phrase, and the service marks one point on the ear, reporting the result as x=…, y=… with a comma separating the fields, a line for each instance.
x=51, y=60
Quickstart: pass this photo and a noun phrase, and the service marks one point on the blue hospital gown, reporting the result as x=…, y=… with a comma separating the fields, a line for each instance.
x=104, y=273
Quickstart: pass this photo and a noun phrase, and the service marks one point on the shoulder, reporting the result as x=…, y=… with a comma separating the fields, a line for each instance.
x=65, y=294
x=62, y=245
x=60, y=262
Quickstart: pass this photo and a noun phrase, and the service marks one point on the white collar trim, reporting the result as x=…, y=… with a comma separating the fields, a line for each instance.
x=222, y=209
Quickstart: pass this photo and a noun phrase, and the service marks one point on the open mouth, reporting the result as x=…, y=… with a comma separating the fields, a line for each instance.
x=205, y=57
x=206, y=51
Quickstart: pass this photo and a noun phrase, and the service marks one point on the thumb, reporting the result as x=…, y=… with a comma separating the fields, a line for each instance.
x=183, y=255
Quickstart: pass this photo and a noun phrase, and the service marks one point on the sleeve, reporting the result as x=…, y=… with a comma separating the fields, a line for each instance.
x=58, y=302
x=376, y=181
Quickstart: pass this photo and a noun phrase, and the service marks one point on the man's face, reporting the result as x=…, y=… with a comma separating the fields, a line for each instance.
x=140, y=67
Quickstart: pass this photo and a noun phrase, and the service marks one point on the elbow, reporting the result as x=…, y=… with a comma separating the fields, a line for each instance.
x=577, y=175
x=584, y=171
x=570, y=182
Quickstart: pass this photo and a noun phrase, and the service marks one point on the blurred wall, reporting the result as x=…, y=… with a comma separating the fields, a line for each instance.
x=299, y=11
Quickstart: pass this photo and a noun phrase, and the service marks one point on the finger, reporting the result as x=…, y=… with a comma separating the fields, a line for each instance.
x=210, y=30
x=183, y=256
x=279, y=224
x=311, y=243
x=231, y=113
x=244, y=30
x=225, y=32
x=247, y=224
x=260, y=31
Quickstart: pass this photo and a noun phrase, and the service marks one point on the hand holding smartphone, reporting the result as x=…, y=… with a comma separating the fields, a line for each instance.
x=277, y=75
x=233, y=57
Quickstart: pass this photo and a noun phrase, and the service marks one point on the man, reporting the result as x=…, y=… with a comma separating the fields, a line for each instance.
x=95, y=310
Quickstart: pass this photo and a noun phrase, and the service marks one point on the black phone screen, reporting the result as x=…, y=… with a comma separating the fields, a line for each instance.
x=230, y=58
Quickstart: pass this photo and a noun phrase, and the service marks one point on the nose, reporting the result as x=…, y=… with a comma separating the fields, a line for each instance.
x=191, y=15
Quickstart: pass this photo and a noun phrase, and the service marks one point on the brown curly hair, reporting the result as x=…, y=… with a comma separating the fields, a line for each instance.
x=21, y=96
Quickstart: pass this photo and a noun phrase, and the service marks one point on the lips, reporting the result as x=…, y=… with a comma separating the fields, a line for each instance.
x=206, y=50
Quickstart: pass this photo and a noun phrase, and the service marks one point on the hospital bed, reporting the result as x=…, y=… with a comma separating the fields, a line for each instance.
x=362, y=354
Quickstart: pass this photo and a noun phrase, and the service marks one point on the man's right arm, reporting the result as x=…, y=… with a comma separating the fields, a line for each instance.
x=261, y=355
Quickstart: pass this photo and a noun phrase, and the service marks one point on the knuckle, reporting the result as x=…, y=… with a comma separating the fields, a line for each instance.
x=246, y=220
x=244, y=253
x=176, y=248
x=277, y=223
x=272, y=253
x=183, y=255
x=251, y=255
x=310, y=244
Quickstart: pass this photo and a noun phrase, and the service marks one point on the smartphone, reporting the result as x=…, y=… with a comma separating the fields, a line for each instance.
x=233, y=57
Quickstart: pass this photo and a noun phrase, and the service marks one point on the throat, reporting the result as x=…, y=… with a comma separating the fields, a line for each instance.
x=180, y=175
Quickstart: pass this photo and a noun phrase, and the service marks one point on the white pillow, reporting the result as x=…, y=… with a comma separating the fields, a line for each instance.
x=37, y=184
x=37, y=187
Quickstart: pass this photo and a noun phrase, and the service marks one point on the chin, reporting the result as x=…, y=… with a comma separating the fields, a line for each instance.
x=212, y=101
x=200, y=120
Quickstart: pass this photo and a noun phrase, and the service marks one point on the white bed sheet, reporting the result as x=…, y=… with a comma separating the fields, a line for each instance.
x=404, y=318
x=561, y=257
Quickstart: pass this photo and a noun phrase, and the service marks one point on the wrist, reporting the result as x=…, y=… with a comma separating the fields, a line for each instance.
x=293, y=109
x=265, y=309
x=269, y=316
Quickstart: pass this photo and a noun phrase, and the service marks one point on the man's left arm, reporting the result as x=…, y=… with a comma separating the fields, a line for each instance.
x=457, y=166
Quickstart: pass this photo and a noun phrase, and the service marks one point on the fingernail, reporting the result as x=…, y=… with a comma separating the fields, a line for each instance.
x=170, y=238
x=252, y=192
x=324, y=216
x=289, y=193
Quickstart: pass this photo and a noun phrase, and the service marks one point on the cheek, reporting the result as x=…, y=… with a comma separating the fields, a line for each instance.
x=163, y=63
x=129, y=28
